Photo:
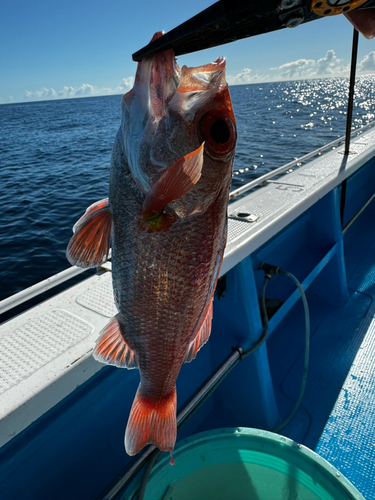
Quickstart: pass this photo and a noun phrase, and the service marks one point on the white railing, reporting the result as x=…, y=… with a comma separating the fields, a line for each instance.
x=264, y=178
x=41, y=287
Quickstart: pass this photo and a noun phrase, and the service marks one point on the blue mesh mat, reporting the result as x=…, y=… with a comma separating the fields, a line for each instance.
x=337, y=414
x=348, y=440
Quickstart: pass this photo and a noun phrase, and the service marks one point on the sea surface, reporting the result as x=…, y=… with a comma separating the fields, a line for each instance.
x=55, y=157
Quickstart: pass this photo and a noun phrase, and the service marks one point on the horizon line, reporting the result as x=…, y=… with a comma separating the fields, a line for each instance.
x=229, y=85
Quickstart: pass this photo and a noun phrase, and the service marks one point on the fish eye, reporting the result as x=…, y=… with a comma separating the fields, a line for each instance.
x=219, y=133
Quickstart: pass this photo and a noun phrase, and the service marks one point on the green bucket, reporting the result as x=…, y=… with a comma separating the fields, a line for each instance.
x=244, y=464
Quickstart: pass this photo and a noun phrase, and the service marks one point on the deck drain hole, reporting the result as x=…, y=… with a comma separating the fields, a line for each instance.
x=244, y=216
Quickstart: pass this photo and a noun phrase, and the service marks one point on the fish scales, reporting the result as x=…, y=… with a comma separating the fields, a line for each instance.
x=166, y=218
x=167, y=265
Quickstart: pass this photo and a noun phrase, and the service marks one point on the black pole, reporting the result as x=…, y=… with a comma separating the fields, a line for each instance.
x=351, y=90
x=349, y=116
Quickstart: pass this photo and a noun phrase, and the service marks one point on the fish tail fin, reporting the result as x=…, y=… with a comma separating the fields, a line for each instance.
x=151, y=422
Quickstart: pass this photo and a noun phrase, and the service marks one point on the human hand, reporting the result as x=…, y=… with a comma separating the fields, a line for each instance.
x=363, y=21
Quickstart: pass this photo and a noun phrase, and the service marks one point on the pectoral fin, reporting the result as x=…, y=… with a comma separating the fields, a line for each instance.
x=174, y=182
x=89, y=245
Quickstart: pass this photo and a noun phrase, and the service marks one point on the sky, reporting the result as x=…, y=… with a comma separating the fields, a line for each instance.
x=51, y=49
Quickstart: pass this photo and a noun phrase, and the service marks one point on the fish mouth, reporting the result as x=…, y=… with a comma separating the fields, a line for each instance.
x=161, y=86
x=161, y=78
x=202, y=78
x=190, y=79
x=197, y=86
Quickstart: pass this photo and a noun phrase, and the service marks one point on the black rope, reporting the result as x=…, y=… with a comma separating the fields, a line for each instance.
x=349, y=116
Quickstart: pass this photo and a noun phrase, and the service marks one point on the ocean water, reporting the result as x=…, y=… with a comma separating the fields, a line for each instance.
x=55, y=157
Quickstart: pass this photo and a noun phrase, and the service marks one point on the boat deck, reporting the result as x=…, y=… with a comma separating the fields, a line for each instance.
x=336, y=416
x=348, y=439
x=59, y=408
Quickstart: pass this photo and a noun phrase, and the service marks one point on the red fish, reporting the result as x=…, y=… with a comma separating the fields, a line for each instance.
x=166, y=216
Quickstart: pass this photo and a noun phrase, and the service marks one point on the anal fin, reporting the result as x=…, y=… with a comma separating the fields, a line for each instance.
x=202, y=335
x=89, y=245
x=111, y=348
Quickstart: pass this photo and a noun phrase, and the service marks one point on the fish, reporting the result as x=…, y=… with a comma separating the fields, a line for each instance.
x=166, y=221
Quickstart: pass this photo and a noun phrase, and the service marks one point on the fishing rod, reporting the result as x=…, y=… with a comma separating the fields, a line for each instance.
x=229, y=20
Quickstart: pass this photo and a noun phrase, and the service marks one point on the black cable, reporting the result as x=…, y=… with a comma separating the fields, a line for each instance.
x=264, y=316
x=271, y=270
x=146, y=475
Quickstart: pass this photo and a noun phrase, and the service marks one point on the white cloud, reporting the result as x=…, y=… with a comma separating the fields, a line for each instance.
x=85, y=90
x=40, y=94
x=127, y=83
x=245, y=77
x=367, y=65
x=242, y=77
x=296, y=69
x=329, y=65
x=67, y=92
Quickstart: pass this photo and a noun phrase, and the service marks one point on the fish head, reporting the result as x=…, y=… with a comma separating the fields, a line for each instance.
x=170, y=112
